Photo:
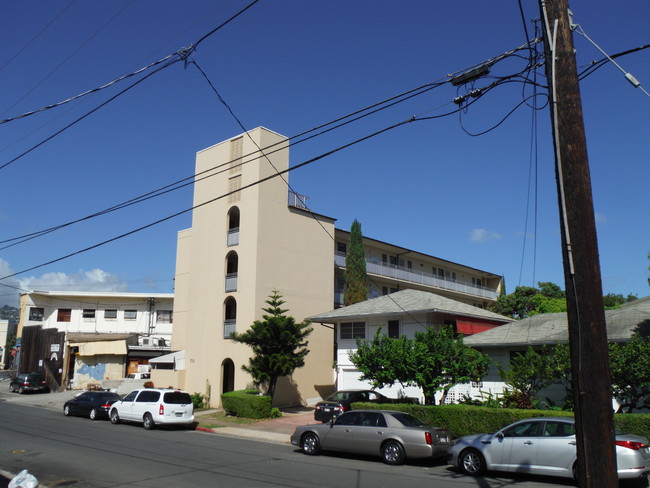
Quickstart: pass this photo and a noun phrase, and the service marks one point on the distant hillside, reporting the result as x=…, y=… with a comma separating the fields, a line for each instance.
x=9, y=313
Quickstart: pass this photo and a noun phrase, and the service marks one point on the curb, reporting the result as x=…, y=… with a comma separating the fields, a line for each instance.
x=249, y=434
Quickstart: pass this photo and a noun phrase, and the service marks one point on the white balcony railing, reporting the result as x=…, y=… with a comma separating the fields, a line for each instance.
x=229, y=326
x=421, y=278
x=231, y=282
x=233, y=237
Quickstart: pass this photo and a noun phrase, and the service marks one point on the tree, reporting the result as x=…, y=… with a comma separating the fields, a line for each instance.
x=615, y=300
x=278, y=343
x=356, y=278
x=434, y=361
x=531, y=372
x=630, y=370
x=518, y=304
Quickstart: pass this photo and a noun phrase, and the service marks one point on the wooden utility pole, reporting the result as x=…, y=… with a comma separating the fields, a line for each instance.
x=592, y=392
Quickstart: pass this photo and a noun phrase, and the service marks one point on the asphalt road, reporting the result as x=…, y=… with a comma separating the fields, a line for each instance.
x=77, y=452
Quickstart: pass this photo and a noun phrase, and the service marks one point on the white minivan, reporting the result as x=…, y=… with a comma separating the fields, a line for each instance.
x=154, y=406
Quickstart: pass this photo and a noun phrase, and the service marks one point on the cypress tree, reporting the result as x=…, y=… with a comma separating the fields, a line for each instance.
x=356, y=278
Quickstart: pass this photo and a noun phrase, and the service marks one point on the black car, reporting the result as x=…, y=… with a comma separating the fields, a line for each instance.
x=28, y=382
x=340, y=401
x=92, y=404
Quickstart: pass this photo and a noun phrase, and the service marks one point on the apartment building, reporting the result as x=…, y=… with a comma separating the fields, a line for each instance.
x=251, y=235
x=88, y=337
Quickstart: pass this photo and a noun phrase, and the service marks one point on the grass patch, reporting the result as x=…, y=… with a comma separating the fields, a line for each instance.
x=221, y=419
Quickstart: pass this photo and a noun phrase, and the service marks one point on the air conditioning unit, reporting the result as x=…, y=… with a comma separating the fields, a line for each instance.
x=145, y=341
x=161, y=342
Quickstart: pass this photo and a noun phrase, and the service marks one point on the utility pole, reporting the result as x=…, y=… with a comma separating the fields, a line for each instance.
x=590, y=376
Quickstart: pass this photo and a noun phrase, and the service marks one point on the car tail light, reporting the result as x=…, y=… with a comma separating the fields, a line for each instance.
x=631, y=445
x=428, y=438
x=161, y=409
x=343, y=408
x=105, y=405
x=25, y=383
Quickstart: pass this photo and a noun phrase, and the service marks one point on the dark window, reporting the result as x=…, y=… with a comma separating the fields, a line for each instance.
x=36, y=313
x=164, y=317
x=111, y=313
x=88, y=313
x=393, y=329
x=148, y=396
x=342, y=247
x=64, y=315
x=559, y=429
x=524, y=429
x=349, y=418
x=130, y=314
x=371, y=419
x=408, y=420
x=177, y=398
x=131, y=396
x=353, y=330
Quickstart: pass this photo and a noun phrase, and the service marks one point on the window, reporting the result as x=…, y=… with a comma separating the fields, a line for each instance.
x=88, y=314
x=353, y=330
x=36, y=313
x=477, y=282
x=393, y=329
x=341, y=247
x=409, y=265
x=110, y=313
x=523, y=429
x=64, y=315
x=130, y=314
x=384, y=290
x=146, y=396
x=164, y=317
x=441, y=273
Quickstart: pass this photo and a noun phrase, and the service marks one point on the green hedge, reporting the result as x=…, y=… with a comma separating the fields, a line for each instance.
x=465, y=420
x=248, y=404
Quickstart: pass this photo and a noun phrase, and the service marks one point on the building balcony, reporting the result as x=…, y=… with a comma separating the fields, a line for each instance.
x=399, y=273
x=231, y=282
x=233, y=237
x=229, y=327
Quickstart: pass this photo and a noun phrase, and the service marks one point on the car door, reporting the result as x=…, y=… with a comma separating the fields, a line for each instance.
x=369, y=433
x=515, y=448
x=556, y=448
x=82, y=405
x=125, y=407
x=342, y=435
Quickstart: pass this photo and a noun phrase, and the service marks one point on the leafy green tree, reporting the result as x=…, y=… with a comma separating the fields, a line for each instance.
x=518, y=304
x=434, y=360
x=356, y=277
x=551, y=290
x=532, y=371
x=630, y=370
x=615, y=300
x=279, y=345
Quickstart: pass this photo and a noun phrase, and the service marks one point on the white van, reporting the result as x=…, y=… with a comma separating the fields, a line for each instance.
x=154, y=406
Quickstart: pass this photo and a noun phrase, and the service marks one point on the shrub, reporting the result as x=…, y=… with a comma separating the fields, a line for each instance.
x=465, y=420
x=148, y=384
x=249, y=404
x=198, y=400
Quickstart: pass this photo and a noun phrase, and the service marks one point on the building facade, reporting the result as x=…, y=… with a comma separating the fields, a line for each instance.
x=104, y=336
x=251, y=235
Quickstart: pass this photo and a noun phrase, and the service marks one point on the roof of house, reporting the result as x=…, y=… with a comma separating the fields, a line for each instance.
x=407, y=301
x=552, y=328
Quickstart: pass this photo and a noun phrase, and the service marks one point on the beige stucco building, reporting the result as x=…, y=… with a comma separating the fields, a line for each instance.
x=251, y=235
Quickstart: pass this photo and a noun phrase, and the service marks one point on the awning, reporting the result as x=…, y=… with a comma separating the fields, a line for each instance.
x=473, y=326
x=98, y=348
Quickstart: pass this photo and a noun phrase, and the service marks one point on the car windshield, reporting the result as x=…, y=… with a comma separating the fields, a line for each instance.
x=408, y=420
x=177, y=398
x=339, y=396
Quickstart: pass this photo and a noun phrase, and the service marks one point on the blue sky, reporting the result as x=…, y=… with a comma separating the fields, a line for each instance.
x=291, y=65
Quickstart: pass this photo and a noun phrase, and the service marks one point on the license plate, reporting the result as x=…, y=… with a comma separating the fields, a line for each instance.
x=328, y=409
x=179, y=414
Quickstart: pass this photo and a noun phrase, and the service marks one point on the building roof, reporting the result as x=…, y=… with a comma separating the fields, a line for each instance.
x=552, y=328
x=407, y=301
x=103, y=294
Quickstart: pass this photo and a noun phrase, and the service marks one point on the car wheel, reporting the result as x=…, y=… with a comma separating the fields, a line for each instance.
x=115, y=417
x=66, y=411
x=471, y=462
x=147, y=421
x=21, y=390
x=310, y=444
x=93, y=414
x=392, y=452
x=12, y=388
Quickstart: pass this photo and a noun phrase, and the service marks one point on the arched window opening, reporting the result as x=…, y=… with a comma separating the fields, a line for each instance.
x=227, y=375
x=230, y=317
x=232, y=265
x=233, y=226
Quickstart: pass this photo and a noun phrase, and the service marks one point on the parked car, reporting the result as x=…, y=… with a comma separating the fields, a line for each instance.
x=154, y=406
x=28, y=382
x=395, y=436
x=340, y=401
x=139, y=376
x=545, y=446
x=92, y=404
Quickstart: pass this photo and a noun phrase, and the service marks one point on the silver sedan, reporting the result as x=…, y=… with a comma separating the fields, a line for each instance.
x=545, y=446
x=395, y=436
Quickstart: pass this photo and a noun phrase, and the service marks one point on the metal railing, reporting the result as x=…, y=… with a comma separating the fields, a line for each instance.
x=297, y=200
x=233, y=237
x=231, y=282
x=421, y=278
x=229, y=327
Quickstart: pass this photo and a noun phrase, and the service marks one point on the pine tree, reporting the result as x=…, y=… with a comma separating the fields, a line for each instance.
x=278, y=343
x=356, y=278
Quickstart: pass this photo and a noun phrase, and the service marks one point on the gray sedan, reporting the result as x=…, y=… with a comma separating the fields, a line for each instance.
x=545, y=446
x=395, y=436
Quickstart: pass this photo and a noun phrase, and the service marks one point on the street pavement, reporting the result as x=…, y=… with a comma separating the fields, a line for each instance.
x=276, y=430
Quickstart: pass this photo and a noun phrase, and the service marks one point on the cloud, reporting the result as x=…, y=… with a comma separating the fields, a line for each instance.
x=93, y=280
x=482, y=235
